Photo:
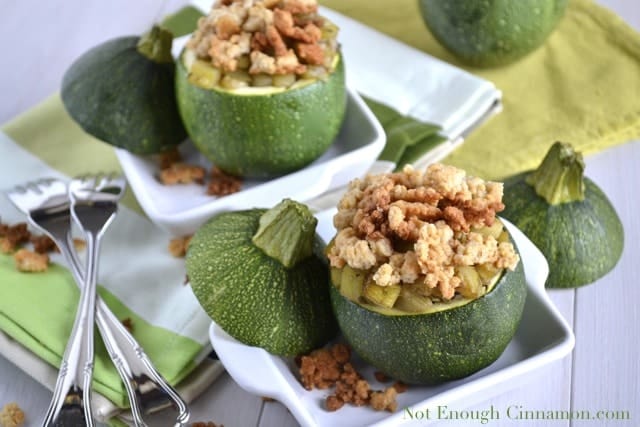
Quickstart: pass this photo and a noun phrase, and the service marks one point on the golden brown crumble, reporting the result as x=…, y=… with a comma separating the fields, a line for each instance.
x=432, y=213
x=206, y=424
x=384, y=400
x=12, y=236
x=223, y=184
x=178, y=246
x=381, y=377
x=276, y=37
x=79, y=244
x=11, y=415
x=169, y=157
x=43, y=244
x=182, y=173
x=400, y=386
x=331, y=367
x=31, y=262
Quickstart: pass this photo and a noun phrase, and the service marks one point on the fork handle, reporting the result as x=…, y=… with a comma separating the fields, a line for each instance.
x=71, y=401
x=134, y=365
x=131, y=362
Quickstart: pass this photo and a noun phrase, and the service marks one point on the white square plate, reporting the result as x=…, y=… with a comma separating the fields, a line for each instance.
x=263, y=374
x=181, y=209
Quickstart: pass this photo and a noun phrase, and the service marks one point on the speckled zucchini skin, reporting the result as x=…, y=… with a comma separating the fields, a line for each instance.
x=123, y=98
x=253, y=297
x=263, y=136
x=436, y=347
x=581, y=240
x=492, y=32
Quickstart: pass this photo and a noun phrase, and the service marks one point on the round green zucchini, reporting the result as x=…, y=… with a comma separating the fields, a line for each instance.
x=440, y=346
x=262, y=277
x=122, y=92
x=568, y=218
x=492, y=32
x=266, y=132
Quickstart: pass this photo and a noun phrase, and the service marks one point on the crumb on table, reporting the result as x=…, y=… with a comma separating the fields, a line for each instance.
x=31, y=262
x=178, y=246
x=331, y=367
x=11, y=415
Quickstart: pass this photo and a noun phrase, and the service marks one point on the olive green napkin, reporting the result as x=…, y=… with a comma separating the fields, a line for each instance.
x=582, y=86
x=407, y=139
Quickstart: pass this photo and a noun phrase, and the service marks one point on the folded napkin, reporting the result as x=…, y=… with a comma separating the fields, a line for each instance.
x=141, y=281
x=582, y=86
x=412, y=84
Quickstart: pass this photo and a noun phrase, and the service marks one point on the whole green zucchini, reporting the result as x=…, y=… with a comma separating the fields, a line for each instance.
x=568, y=218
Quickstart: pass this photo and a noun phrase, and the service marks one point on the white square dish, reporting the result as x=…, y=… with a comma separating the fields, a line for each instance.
x=181, y=209
x=264, y=374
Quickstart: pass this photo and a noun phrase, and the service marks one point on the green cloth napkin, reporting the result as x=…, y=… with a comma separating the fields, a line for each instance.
x=582, y=86
x=45, y=306
x=407, y=139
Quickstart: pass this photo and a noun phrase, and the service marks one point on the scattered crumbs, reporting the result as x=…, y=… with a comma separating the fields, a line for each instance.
x=79, y=244
x=31, y=262
x=331, y=367
x=400, y=386
x=11, y=415
x=169, y=157
x=182, y=173
x=128, y=324
x=43, y=244
x=178, y=246
x=268, y=399
x=5, y=246
x=206, y=424
x=13, y=236
x=381, y=376
x=223, y=184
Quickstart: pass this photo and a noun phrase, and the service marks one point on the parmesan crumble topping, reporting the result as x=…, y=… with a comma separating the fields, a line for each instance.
x=417, y=228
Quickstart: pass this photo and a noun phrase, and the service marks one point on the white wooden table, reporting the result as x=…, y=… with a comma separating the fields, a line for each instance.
x=602, y=373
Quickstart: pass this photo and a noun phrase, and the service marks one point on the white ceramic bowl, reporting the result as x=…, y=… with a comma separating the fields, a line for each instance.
x=181, y=209
x=264, y=374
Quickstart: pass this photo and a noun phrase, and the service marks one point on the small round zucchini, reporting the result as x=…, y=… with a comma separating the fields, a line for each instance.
x=122, y=92
x=262, y=277
x=567, y=217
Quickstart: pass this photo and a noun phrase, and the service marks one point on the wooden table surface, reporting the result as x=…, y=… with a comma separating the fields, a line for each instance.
x=601, y=374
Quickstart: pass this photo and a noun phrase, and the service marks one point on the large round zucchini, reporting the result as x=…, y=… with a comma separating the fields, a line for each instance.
x=263, y=132
x=439, y=346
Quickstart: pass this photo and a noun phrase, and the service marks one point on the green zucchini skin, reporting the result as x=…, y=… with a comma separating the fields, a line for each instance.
x=263, y=136
x=253, y=297
x=437, y=347
x=123, y=98
x=582, y=240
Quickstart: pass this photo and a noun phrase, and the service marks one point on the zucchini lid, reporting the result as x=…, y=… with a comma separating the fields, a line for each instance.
x=122, y=92
x=261, y=276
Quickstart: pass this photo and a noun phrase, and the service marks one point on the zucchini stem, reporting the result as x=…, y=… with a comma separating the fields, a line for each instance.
x=287, y=232
x=560, y=176
x=156, y=45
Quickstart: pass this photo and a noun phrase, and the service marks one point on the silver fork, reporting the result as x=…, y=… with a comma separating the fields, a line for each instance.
x=46, y=205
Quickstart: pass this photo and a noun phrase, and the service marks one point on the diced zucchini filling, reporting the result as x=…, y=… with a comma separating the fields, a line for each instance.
x=205, y=75
x=242, y=44
x=415, y=298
